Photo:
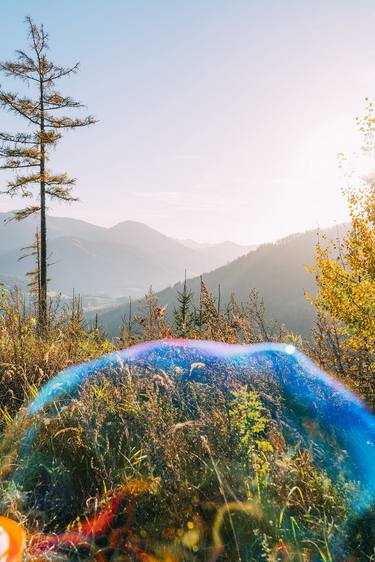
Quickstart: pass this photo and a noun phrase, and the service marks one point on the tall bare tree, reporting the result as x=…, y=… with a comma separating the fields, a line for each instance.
x=26, y=153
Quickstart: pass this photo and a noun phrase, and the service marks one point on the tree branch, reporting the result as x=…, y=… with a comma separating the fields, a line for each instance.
x=18, y=138
x=68, y=122
x=61, y=71
x=17, y=69
x=11, y=102
x=26, y=212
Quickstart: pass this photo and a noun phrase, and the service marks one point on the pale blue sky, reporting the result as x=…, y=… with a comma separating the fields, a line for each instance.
x=218, y=119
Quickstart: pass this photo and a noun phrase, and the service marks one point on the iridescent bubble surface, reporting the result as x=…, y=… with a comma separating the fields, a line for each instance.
x=181, y=449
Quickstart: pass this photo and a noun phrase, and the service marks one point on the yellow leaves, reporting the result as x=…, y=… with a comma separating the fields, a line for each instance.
x=139, y=487
x=348, y=294
x=5, y=415
x=346, y=283
x=191, y=538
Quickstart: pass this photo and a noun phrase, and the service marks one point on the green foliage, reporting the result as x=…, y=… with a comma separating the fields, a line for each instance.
x=250, y=426
x=189, y=454
x=184, y=315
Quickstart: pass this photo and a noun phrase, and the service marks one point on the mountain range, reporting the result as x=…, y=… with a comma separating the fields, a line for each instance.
x=112, y=262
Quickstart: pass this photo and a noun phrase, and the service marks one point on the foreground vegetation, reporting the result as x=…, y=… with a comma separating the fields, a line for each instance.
x=200, y=470
x=185, y=449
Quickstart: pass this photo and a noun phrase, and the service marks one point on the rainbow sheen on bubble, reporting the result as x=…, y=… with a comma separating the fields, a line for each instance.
x=191, y=450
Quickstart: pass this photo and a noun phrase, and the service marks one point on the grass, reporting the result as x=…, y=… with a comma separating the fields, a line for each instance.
x=147, y=465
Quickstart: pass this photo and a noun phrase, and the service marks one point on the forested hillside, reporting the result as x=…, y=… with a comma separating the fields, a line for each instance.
x=277, y=271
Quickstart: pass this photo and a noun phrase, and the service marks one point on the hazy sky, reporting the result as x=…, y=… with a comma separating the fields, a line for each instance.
x=219, y=119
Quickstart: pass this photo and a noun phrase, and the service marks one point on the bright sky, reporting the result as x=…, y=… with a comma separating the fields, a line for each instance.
x=219, y=119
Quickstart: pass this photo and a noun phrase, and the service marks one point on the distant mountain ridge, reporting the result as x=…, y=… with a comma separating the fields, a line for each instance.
x=230, y=249
x=277, y=270
x=122, y=260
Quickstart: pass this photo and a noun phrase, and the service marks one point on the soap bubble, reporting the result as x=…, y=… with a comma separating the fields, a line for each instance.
x=191, y=450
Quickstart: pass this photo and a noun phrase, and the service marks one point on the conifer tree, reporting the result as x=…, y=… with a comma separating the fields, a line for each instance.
x=184, y=316
x=27, y=153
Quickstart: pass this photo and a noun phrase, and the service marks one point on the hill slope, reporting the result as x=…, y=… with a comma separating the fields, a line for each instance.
x=276, y=270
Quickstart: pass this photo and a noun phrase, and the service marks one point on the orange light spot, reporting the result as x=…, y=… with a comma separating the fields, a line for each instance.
x=12, y=540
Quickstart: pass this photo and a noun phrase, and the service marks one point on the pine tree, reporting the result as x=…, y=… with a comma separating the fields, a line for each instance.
x=184, y=316
x=26, y=153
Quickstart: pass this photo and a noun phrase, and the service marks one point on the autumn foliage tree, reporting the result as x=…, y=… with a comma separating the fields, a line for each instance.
x=346, y=283
x=26, y=154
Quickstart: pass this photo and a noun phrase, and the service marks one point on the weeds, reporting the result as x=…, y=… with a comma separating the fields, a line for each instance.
x=152, y=465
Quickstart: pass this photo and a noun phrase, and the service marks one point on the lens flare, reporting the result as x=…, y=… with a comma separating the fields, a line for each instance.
x=12, y=541
x=192, y=450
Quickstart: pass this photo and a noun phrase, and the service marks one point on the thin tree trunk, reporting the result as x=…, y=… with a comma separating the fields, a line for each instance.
x=43, y=226
x=38, y=270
